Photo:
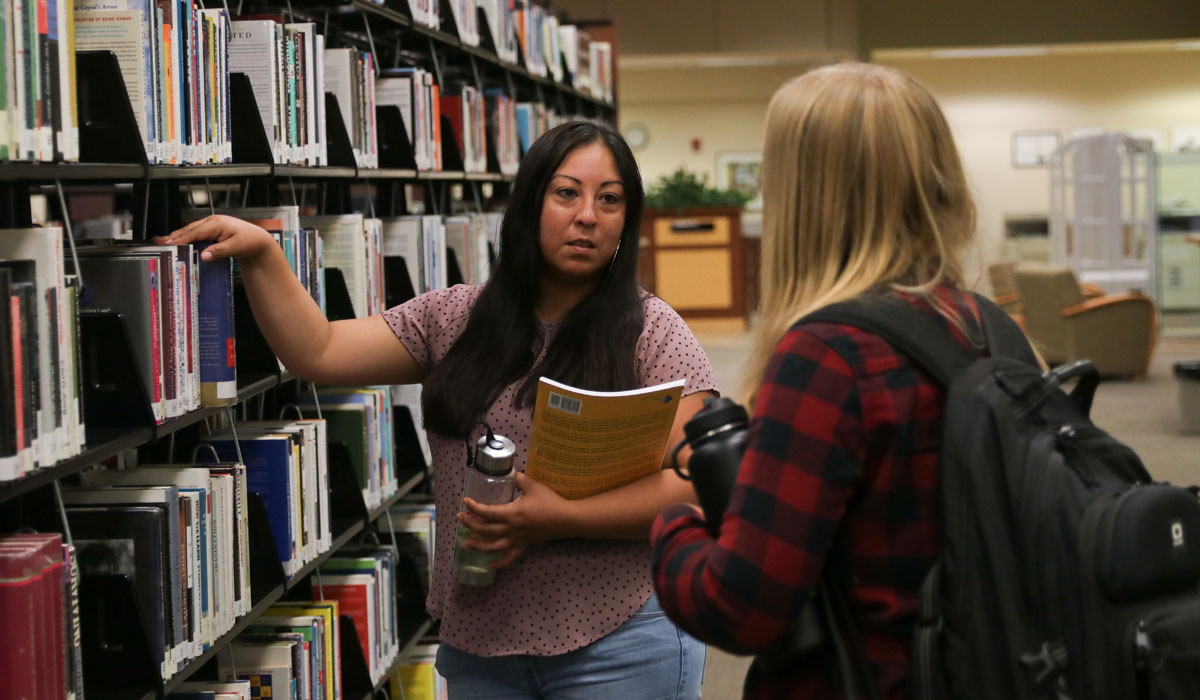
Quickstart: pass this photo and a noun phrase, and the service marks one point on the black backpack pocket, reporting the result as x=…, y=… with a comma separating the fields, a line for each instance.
x=1148, y=543
x=1167, y=647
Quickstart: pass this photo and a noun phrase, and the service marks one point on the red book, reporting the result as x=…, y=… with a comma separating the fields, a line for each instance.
x=19, y=633
x=53, y=659
x=355, y=600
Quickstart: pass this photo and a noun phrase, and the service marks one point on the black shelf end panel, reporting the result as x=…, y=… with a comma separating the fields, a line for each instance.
x=395, y=148
x=115, y=399
x=338, y=306
x=117, y=660
x=337, y=138
x=451, y=155
x=266, y=569
x=108, y=131
x=250, y=141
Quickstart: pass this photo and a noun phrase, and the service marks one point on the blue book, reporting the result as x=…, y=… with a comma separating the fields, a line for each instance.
x=271, y=473
x=218, y=357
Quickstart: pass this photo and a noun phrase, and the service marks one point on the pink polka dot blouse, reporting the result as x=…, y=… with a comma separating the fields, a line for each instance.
x=561, y=595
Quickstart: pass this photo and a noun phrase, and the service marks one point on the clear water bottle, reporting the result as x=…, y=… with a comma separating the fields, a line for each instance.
x=490, y=481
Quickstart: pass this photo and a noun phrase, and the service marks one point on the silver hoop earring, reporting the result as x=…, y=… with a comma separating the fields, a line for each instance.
x=614, y=257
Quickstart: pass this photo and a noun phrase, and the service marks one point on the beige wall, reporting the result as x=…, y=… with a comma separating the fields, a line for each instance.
x=722, y=107
x=986, y=99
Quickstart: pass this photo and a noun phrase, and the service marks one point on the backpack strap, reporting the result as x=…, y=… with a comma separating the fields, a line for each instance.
x=924, y=339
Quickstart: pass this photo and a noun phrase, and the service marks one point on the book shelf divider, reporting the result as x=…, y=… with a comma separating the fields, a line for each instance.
x=249, y=138
x=255, y=360
x=108, y=131
x=451, y=155
x=115, y=644
x=446, y=16
x=337, y=296
x=115, y=400
x=266, y=570
x=337, y=137
x=395, y=150
x=356, y=674
x=14, y=205
x=346, y=505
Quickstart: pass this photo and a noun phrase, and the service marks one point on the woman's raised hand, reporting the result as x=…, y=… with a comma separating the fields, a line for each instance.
x=234, y=238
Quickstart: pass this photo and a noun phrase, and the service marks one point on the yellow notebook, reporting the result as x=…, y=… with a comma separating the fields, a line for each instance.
x=587, y=442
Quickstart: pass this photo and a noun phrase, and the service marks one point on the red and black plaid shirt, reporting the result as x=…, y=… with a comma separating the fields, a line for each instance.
x=842, y=455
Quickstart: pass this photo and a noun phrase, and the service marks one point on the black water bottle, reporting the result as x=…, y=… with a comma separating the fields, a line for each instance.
x=717, y=436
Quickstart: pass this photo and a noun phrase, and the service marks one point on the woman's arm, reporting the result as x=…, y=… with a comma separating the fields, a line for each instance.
x=352, y=352
x=540, y=514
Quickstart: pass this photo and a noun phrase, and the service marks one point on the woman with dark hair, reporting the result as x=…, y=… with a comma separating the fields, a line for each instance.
x=572, y=614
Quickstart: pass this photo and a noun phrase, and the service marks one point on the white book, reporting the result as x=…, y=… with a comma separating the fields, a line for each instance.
x=268, y=665
x=252, y=50
x=402, y=239
x=345, y=242
x=435, y=251
x=458, y=239
x=230, y=690
x=319, y=100
x=340, y=72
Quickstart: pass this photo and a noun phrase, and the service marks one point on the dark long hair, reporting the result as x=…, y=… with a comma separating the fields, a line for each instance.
x=595, y=345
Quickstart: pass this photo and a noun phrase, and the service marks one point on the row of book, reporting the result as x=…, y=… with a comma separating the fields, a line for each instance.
x=39, y=118
x=564, y=53
x=180, y=533
x=179, y=315
x=533, y=120
x=287, y=64
x=41, y=417
x=523, y=30
x=294, y=649
x=39, y=596
x=174, y=59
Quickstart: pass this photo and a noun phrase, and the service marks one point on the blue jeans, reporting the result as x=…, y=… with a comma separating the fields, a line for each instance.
x=646, y=658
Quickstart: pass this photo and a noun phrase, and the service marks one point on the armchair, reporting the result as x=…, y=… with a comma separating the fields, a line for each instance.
x=1117, y=332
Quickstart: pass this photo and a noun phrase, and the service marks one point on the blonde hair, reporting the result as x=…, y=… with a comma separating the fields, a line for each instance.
x=863, y=191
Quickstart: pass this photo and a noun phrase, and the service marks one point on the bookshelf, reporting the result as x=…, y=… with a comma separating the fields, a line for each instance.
x=113, y=160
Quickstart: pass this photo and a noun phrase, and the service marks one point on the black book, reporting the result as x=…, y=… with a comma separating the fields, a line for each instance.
x=8, y=395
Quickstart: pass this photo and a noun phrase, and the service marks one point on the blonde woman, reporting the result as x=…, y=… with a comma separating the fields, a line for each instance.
x=864, y=194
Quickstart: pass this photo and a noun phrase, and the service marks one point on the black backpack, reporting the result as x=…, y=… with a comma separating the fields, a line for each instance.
x=1064, y=571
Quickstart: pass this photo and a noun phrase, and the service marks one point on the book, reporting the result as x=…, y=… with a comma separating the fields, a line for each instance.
x=587, y=442
x=216, y=344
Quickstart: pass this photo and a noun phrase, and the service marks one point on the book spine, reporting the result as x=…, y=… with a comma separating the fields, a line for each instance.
x=18, y=633
x=218, y=363
x=74, y=633
x=155, y=344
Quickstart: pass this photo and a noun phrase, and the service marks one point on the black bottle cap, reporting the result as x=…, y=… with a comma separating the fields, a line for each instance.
x=717, y=413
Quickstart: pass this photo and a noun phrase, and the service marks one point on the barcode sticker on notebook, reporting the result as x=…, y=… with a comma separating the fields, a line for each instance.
x=565, y=403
